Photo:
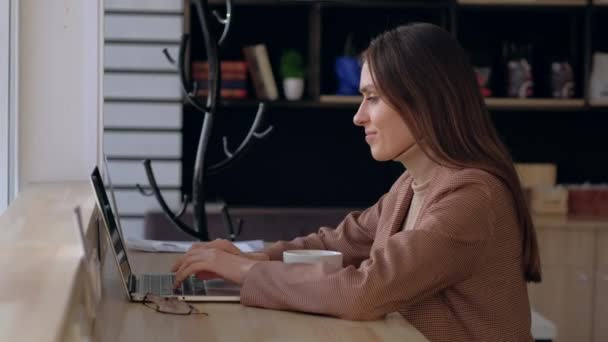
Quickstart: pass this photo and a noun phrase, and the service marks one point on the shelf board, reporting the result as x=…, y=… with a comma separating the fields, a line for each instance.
x=492, y=102
x=523, y=2
x=599, y=104
x=341, y=101
x=253, y=103
x=534, y=104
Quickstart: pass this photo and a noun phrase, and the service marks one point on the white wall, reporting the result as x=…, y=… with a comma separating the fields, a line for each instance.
x=59, y=89
x=4, y=104
x=142, y=104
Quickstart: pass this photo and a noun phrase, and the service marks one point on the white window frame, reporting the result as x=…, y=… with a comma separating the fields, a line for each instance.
x=8, y=103
x=4, y=104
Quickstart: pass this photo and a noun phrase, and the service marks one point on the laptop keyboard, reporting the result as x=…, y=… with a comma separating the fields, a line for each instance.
x=162, y=284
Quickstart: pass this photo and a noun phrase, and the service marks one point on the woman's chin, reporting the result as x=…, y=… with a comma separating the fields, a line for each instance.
x=380, y=157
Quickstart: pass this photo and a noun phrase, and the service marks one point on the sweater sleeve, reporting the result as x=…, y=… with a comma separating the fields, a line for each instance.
x=353, y=237
x=413, y=265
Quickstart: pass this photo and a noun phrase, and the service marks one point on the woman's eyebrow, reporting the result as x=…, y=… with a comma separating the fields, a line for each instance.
x=367, y=89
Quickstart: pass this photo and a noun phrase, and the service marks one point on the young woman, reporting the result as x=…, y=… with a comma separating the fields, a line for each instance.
x=450, y=246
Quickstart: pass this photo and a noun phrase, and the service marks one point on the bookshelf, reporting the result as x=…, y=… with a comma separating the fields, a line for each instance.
x=322, y=119
x=305, y=27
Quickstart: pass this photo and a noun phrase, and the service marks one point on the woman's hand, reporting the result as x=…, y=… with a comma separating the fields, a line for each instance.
x=208, y=262
x=223, y=245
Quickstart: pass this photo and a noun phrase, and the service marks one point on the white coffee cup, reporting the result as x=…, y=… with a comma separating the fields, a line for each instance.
x=311, y=256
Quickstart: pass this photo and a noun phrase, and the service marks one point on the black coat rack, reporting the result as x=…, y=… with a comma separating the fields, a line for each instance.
x=209, y=111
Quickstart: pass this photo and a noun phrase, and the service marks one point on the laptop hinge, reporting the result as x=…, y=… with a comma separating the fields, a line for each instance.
x=132, y=283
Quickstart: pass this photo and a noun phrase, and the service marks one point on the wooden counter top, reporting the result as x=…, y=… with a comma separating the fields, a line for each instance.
x=44, y=289
x=120, y=320
x=574, y=222
x=40, y=257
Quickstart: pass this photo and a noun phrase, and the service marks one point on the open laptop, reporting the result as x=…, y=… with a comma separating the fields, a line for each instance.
x=138, y=285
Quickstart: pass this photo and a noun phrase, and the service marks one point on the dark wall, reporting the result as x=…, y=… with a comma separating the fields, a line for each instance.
x=317, y=157
x=314, y=157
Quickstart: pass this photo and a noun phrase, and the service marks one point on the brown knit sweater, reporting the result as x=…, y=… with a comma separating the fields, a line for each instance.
x=456, y=275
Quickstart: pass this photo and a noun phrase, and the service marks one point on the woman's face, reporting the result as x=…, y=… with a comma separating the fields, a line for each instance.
x=385, y=131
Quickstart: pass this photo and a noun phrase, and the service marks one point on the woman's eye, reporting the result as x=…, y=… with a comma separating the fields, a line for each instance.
x=371, y=99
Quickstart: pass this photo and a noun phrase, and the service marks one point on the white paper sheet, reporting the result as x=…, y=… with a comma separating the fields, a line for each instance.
x=183, y=246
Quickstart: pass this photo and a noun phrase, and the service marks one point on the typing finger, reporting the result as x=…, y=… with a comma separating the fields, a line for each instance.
x=221, y=244
x=177, y=263
x=196, y=256
x=195, y=267
x=205, y=275
x=193, y=250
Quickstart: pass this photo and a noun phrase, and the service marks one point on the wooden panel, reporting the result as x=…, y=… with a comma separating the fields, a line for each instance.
x=142, y=115
x=144, y=5
x=525, y=2
x=132, y=227
x=167, y=173
x=492, y=102
x=138, y=144
x=142, y=86
x=565, y=297
x=600, y=315
x=599, y=103
x=602, y=247
x=509, y=103
x=131, y=202
x=566, y=246
x=341, y=99
x=132, y=27
x=80, y=320
x=139, y=57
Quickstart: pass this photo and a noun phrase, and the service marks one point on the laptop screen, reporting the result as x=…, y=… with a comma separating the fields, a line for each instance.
x=110, y=187
x=111, y=226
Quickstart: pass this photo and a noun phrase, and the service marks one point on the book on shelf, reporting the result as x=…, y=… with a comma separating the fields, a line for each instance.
x=231, y=70
x=233, y=84
x=226, y=76
x=260, y=69
x=225, y=93
x=225, y=84
x=225, y=66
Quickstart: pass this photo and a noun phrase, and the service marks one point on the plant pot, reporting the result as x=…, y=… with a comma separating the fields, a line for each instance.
x=293, y=88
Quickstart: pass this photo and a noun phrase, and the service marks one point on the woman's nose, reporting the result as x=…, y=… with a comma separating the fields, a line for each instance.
x=360, y=117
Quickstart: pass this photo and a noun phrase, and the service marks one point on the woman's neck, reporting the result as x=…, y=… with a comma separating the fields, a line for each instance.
x=418, y=164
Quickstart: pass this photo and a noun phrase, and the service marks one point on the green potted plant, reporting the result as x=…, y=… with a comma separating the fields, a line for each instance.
x=292, y=71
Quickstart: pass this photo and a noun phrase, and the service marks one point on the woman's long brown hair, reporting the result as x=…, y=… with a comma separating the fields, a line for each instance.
x=422, y=71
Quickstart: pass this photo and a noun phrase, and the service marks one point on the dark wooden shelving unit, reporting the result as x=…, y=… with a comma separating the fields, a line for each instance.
x=320, y=156
x=316, y=34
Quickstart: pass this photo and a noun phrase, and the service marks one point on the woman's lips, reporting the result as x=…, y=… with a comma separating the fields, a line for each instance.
x=370, y=136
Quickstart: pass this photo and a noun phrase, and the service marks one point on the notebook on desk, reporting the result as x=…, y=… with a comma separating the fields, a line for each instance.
x=138, y=285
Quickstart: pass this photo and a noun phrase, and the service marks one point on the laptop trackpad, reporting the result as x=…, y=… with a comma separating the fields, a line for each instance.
x=220, y=287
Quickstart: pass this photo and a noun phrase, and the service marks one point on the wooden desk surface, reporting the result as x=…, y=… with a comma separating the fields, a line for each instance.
x=120, y=320
x=40, y=257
